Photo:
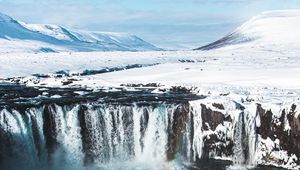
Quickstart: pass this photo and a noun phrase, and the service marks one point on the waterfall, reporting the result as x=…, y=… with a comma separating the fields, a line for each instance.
x=245, y=138
x=93, y=135
x=116, y=135
x=240, y=149
x=196, y=123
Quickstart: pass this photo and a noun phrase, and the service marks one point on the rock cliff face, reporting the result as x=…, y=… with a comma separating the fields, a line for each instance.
x=98, y=133
x=283, y=130
x=251, y=134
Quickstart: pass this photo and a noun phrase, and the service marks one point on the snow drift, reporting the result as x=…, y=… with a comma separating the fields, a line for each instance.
x=17, y=36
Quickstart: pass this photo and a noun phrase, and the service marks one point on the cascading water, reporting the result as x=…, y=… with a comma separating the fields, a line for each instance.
x=240, y=148
x=96, y=135
x=245, y=139
x=135, y=132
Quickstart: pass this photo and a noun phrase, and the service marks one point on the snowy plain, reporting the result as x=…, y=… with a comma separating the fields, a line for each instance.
x=264, y=52
x=241, y=68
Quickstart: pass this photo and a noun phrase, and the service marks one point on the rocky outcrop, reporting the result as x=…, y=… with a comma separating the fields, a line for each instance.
x=259, y=136
x=216, y=141
x=282, y=129
x=176, y=128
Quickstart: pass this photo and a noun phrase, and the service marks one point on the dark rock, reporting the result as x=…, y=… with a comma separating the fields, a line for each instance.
x=289, y=139
x=176, y=130
x=87, y=143
x=212, y=143
x=50, y=130
x=218, y=106
x=212, y=118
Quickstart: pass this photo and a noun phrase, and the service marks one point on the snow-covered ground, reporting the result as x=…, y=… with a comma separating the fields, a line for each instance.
x=194, y=68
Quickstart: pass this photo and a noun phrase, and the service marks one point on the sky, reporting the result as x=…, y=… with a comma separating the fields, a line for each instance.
x=170, y=24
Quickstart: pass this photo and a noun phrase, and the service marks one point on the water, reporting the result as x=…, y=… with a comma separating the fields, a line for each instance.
x=122, y=130
x=93, y=135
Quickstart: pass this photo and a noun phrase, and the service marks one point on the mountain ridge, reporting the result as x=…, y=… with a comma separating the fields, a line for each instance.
x=22, y=37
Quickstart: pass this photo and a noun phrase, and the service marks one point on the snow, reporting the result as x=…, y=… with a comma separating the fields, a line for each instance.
x=271, y=148
x=113, y=40
x=16, y=36
x=255, y=69
x=271, y=30
x=273, y=27
x=48, y=29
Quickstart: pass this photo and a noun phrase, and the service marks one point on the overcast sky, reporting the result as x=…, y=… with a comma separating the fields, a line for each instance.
x=165, y=23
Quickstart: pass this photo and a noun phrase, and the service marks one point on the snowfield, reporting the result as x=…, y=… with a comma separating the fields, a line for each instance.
x=193, y=68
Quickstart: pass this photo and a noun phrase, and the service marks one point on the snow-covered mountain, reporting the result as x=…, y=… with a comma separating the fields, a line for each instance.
x=17, y=36
x=268, y=30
